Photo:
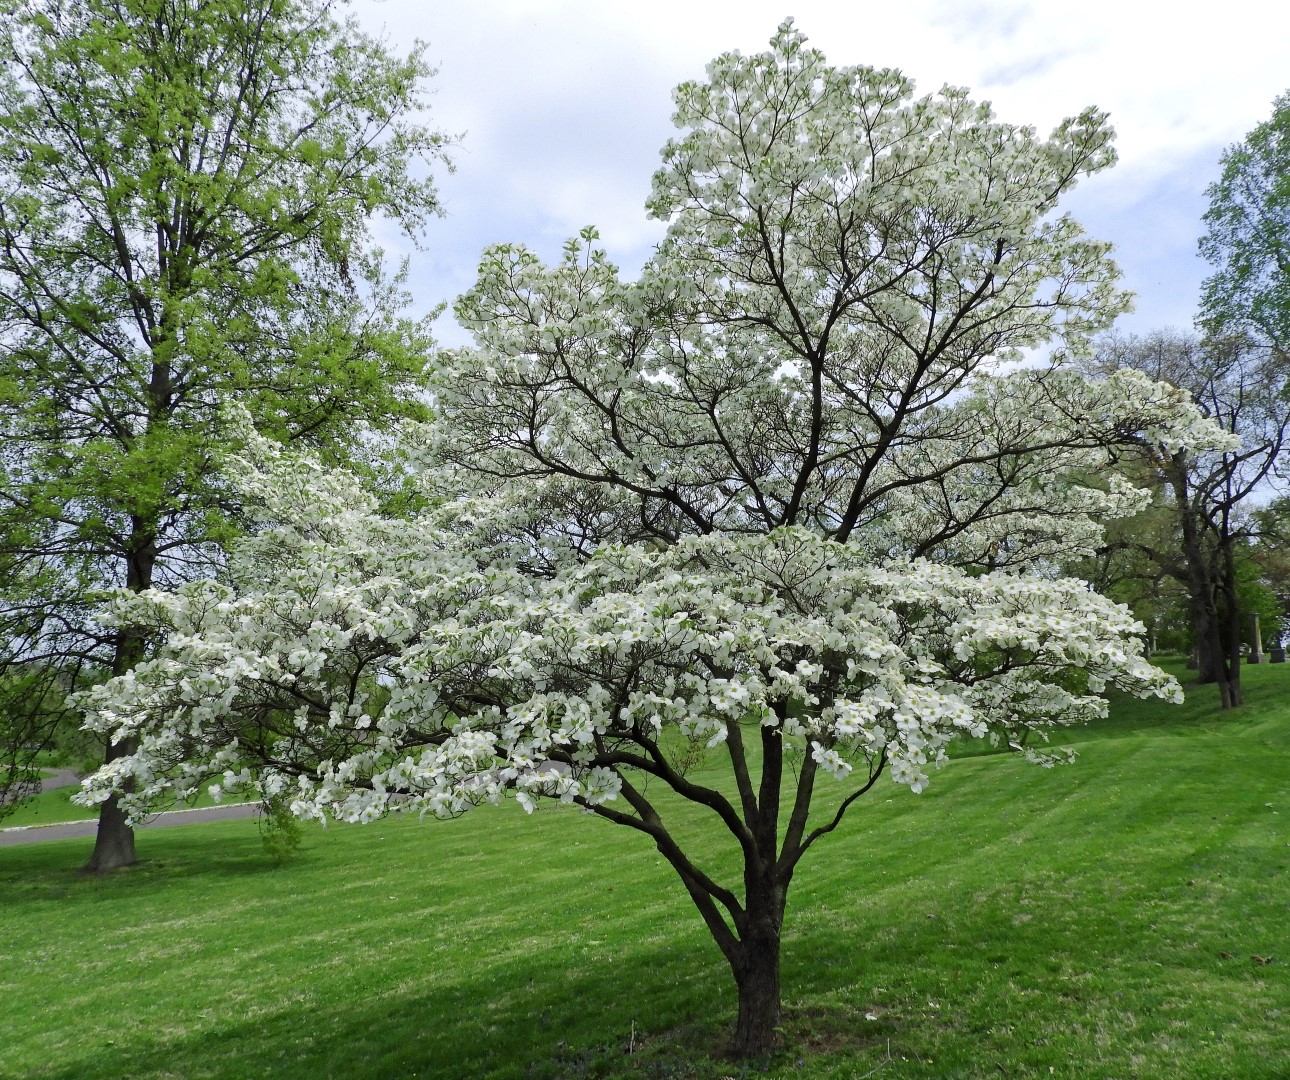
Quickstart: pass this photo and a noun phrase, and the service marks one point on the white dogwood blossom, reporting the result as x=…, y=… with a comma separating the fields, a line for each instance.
x=788, y=504
x=365, y=664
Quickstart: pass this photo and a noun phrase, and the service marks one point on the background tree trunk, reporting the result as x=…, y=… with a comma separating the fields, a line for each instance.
x=114, y=842
x=1211, y=586
x=1230, y=631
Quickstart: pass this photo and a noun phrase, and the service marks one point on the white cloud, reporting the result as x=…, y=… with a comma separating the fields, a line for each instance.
x=565, y=106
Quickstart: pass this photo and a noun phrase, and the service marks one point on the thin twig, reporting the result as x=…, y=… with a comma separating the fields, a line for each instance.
x=885, y=1061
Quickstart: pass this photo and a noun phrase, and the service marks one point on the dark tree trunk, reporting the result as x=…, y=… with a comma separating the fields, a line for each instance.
x=1230, y=631
x=756, y=972
x=747, y=932
x=1211, y=588
x=1219, y=656
x=114, y=842
x=1209, y=649
x=1209, y=558
x=1217, y=618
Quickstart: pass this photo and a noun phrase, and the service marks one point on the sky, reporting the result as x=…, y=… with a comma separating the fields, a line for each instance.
x=562, y=106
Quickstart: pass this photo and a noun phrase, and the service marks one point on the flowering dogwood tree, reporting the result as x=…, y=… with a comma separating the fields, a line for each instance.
x=777, y=505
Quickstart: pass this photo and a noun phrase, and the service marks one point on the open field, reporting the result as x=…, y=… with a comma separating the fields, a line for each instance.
x=1111, y=919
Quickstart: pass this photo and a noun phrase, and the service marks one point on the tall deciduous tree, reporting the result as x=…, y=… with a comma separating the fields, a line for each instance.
x=1272, y=560
x=772, y=506
x=185, y=193
x=1212, y=494
x=1248, y=237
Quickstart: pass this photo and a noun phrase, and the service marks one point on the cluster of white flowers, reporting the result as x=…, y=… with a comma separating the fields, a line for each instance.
x=436, y=685
x=759, y=488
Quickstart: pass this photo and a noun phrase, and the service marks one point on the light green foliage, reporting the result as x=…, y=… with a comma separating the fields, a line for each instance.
x=185, y=194
x=1248, y=237
x=1272, y=558
x=1139, y=565
x=280, y=830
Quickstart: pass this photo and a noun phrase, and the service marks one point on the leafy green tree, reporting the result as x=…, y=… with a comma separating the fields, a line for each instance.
x=186, y=190
x=1271, y=557
x=1248, y=237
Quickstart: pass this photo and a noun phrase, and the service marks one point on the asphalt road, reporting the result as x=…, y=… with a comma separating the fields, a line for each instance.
x=68, y=830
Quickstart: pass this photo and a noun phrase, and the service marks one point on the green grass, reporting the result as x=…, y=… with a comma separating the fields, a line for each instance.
x=1093, y=921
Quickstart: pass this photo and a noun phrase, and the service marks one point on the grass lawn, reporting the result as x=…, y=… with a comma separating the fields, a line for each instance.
x=1109, y=919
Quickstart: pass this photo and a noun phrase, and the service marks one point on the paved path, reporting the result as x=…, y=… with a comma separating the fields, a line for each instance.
x=56, y=778
x=34, y=834
x=59, y=778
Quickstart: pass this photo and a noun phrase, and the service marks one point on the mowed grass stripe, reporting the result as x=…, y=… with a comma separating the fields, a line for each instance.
x=1098, y=920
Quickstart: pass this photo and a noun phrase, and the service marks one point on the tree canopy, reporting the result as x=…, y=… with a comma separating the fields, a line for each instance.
x=185, y=197
x=784, y=505
x=1247, y=236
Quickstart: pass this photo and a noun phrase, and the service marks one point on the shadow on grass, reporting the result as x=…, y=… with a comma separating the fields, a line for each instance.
x=1022, y=965
x=557, y=1020
x=1018, y=921
x=656, y=1005
x=56, y=869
